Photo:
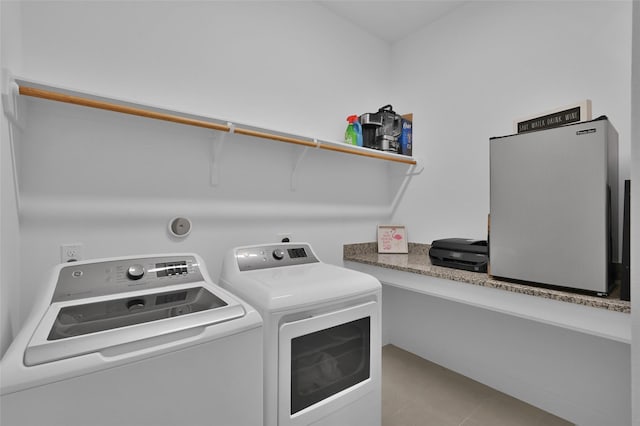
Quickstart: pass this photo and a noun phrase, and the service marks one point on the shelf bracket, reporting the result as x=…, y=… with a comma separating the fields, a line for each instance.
x=10, y=107
x=10, y=91
x=415, y=170
x=296, y=164
x=216, y=153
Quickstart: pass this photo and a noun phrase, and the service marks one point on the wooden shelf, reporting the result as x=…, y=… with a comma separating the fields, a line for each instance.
x=58, y=94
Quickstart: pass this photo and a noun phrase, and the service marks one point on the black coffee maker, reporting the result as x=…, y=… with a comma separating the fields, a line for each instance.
x=381, y=130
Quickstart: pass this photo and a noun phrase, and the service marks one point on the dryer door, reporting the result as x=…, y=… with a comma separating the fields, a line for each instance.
x=327, y=362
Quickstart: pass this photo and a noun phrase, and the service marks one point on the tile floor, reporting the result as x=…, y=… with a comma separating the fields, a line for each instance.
x=417, y=392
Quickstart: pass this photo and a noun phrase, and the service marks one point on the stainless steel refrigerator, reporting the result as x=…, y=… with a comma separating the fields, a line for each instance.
x=554, y=206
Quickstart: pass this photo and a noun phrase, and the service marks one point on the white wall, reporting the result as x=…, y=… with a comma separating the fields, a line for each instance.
x=467, y=76
x=635, y=217
x=113, y=182
x=287, y=65
x=10, y=57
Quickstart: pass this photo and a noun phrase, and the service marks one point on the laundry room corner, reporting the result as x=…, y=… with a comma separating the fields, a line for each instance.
x=111, y=183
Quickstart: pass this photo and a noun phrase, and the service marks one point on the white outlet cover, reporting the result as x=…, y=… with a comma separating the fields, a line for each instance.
x=71, y=252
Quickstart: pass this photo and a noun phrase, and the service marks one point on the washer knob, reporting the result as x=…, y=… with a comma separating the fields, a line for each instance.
x=135, y=272
x=278, y=254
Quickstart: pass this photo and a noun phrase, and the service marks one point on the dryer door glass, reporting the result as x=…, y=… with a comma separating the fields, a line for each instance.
x=329, y=361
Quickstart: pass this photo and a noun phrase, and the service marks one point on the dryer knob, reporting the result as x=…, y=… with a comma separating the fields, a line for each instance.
x=278, y=254
x=135, y=272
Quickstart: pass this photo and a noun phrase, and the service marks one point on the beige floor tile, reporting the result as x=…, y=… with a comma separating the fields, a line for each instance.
x=548, y=419
x=407, y=377
x=414, y=414
x=418, y=392
x=393, y=400
x=502, y=411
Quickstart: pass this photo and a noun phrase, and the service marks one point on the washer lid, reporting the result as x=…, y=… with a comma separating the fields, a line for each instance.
x=287, y=287
x=78, y=327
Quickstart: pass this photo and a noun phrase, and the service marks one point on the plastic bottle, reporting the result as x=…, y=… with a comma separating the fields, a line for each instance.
x=406, y=138
x=353, y=134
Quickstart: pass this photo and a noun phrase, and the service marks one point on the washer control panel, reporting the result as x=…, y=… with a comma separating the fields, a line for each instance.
x=273, y=256
x=90, y=279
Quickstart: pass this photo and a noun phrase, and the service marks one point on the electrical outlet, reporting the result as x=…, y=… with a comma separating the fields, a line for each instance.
x=285, y=237
x=71, y=252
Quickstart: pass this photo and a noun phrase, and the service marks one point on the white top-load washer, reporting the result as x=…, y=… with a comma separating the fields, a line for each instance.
x=145, y=340
x=322, y=334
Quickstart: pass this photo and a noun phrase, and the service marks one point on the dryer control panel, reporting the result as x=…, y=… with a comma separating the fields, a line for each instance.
x=89, y=279
x=274, y=255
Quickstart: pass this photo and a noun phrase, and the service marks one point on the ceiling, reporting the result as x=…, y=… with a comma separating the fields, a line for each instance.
x=391, y=20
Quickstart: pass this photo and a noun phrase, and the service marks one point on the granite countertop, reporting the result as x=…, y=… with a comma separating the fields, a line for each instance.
x=417, y=261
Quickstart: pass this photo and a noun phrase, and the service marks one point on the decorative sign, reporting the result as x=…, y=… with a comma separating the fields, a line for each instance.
x=392, y=239
x=580, y=111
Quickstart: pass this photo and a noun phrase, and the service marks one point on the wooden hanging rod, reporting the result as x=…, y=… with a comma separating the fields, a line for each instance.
x=274, y=137
x=109, y=106
x=77, y=100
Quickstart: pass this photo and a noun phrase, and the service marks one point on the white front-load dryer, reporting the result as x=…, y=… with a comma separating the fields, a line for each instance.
x=131, y=341
x=322, y=334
